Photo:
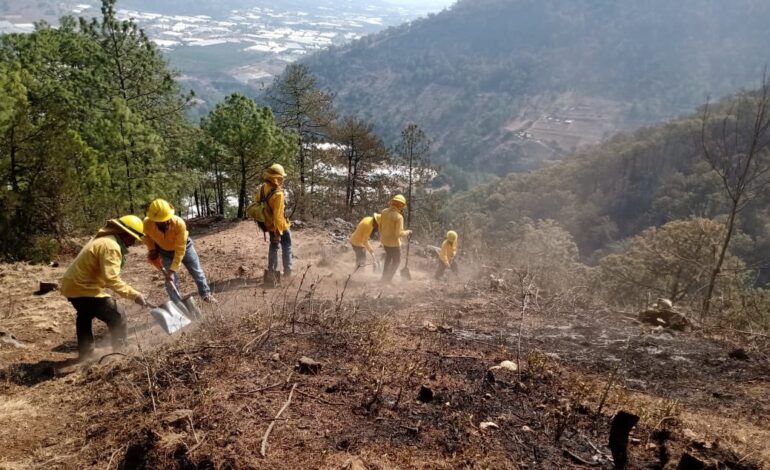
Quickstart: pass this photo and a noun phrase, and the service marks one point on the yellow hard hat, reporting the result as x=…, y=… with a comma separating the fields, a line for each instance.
x=377, y=218
x=451, y=236
x=130, y=224
x=276, y=169
x=160, y=210
x=399, y=199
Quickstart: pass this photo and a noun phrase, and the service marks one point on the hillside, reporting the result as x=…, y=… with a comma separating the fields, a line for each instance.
x=405, y=380
x=609, y=192
x=506, y=84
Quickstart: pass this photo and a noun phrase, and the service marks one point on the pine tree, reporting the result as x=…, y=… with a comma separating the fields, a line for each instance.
x=252, y=139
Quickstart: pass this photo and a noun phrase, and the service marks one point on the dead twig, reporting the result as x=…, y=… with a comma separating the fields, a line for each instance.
x=192, y=449
x=263, y=448
x=613, y=377
x=314, y=397
x=749, y=333
x=109, y=464
x=663, y=420
x=245, y=347
x=452, y=356
x=415, y=429
x=112, y=354
x=578, y=459
x=257, y=390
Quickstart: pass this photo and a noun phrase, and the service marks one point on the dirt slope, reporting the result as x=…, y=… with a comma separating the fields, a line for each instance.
x=205, y=398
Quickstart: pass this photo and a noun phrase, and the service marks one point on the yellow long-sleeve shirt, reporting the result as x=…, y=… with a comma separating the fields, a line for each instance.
x=277, y=204
x=173, y=239
x=448, y=252
x=392, y=227
x=96, y=268
x=363, y=233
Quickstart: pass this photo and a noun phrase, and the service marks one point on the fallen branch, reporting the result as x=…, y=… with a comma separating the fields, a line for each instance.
x=263, y=449
x=578, y=459
x=749, y=333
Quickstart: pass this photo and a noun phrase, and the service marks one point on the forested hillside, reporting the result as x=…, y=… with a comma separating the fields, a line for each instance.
x=508, y=83
x=606, y=193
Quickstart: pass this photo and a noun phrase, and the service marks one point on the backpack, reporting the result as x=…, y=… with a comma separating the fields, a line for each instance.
x=260, y=210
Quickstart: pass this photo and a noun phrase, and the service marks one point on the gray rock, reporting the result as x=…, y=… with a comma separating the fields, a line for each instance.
x=8, y=338
x=307, y=365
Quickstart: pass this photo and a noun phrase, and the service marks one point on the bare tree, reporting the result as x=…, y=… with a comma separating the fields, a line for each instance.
x=412, y=152
x=360, y=149
x=735, y=138
x=301, y=106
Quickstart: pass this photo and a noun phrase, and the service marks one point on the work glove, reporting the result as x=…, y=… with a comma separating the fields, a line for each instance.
x=408, y=233
x=169, y=275
x=140, y=300
x=275, y=237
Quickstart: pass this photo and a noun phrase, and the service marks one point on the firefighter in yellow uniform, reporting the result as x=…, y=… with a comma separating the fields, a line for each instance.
x=276, y=223
x=366, y=229
x=170, y=245
x=447, y=254
x=96, y=268
x=391, y=232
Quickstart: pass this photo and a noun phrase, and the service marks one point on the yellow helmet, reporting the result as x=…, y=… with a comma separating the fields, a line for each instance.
x=451, y=236
x=399, y=200
x=276, y=169
x=130, y=224
x=377, y=218
x=160, y=210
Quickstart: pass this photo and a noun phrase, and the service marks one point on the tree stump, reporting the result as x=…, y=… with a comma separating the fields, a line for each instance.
x=622, y=423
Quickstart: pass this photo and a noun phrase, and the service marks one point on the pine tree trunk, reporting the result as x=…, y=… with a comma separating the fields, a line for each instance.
x=409, y=197
x=219, y=193
x=242, y=193
x=353, y=186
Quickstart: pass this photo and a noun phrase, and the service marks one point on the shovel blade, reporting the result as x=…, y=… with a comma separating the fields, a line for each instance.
x=406, y=274
x=192, y=308
x=169, y=317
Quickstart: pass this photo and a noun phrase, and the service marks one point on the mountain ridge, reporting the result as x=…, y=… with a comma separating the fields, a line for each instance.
x=494, y=62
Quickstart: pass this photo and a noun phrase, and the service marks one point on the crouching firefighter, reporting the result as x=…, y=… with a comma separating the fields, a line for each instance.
x=447, y=254
x=268, y=210
x=366, y=229
x=96, y=268
x=169, y=246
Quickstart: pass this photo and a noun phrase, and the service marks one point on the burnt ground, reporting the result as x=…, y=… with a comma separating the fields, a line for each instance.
x=205, y=398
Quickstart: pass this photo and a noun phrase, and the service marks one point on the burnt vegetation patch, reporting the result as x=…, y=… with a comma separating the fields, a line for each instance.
x=393, y=394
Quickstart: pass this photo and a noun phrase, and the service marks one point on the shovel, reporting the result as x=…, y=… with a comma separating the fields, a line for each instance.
x=405, y=273
x=376, y=267
x=170, y=317
x=187, y=303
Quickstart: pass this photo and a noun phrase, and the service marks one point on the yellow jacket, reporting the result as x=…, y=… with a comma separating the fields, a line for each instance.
x=363, y=233
x=97, y=267
x=448, y=252
x=392, y=227
x=276, y=203
x=173, y=239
